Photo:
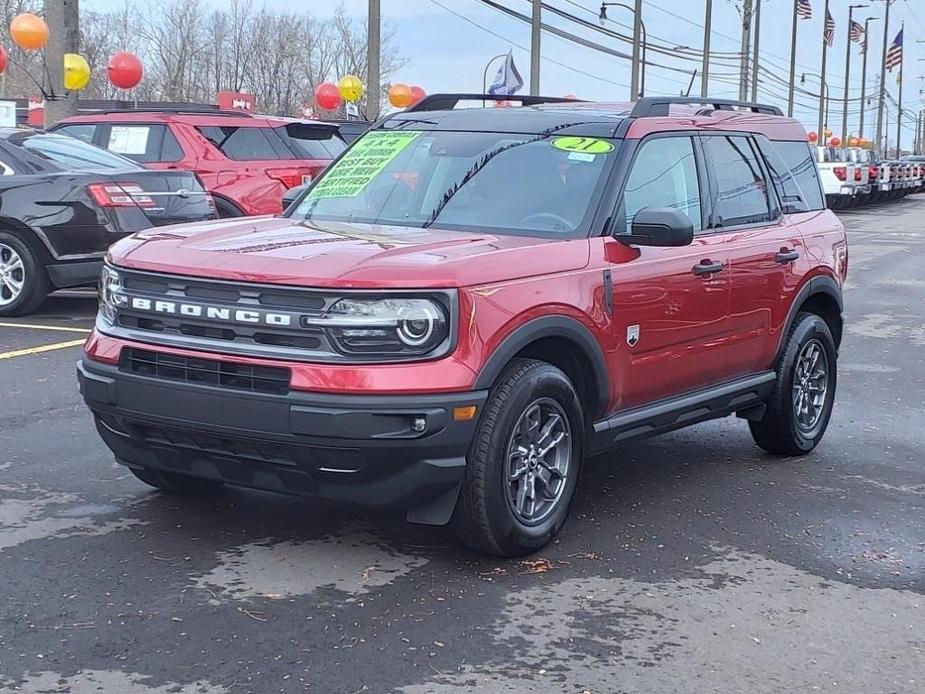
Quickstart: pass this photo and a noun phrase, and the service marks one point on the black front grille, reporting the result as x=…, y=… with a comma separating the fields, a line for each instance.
x=222, y=374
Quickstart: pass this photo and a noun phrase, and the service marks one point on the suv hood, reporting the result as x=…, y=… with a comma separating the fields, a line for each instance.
x=278, y=250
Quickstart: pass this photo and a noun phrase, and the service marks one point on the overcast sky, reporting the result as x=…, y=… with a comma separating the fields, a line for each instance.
x=447, y=43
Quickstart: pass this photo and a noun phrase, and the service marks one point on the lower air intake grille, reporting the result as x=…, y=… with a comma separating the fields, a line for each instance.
x=171, y=367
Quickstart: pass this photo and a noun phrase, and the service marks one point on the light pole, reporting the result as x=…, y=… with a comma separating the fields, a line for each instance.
x=886, y=38
x=844, y=113
x=824, y=106
x=638, y=78
x=864, y=75
x=536, y=30
x=705, y=70
x=373, y=49
x=754, y=84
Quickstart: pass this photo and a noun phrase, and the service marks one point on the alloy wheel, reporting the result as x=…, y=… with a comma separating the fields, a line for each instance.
x=12, y=275
x=538, y=460
x=810, y=386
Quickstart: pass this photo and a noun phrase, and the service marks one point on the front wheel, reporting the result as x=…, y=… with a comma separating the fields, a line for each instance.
x=799, y=409
x=523, y=464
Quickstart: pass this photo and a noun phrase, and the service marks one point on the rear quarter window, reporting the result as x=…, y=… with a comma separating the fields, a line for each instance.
x=798, y=158
x=310, y=141
x=249, y=143
x=143, y=142
x=82, y=131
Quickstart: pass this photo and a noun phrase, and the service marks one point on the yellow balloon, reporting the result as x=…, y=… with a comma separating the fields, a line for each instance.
x=350, y=87
x=76, y=72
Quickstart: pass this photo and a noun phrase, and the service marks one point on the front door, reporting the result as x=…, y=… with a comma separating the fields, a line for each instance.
x=670, y=305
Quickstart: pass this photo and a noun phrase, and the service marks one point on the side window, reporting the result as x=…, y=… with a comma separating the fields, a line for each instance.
x=6, y=169
x=741, y=195
x=82, y=131
x=664, y=174
x=246, y=144
x=798, y=157
x=143, y=143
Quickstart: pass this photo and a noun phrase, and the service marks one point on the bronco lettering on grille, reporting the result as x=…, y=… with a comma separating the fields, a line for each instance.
x=174, y=308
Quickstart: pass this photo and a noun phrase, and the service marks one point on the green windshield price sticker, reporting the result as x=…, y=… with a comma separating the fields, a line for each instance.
x=585, y=145
x=365, y=160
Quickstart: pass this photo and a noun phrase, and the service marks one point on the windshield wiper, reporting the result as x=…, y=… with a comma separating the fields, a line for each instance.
x=480, y=164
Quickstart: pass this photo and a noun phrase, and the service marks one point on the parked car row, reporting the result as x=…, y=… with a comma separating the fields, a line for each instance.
x=66, y=195
x=853, y=176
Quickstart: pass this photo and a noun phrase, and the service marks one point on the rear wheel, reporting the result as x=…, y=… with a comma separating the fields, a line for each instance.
x=174, y=483
x=226, y=210
x=799, y=409
x=23, y=281
x=523, y=465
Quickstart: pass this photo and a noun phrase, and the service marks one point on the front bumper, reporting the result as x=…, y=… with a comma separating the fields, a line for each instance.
x=350, y=448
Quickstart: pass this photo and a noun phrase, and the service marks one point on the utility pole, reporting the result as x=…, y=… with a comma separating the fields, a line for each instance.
x=705, y=70
x=63, y=37
x=864, y=75
x=886, y=38
x=536, y=27
x=844, y=113
x=745, y=48
x=637, y=37
x=823, y=102
x=373, y=56
x=755, y=52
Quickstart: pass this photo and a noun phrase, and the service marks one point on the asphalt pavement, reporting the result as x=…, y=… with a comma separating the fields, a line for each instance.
x=692, y=562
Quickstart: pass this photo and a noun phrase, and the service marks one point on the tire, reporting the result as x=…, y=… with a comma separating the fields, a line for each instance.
x=486, y=516
x=174, y=483
x=23, y=280
x=226, y=210
x=785, y=428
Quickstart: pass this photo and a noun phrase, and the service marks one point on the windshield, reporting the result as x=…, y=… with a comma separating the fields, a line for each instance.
x=71, y=153
x=520, y=184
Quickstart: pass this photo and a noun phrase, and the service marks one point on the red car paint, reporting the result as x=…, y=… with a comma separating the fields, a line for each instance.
x=698, y=330
x=249, y=187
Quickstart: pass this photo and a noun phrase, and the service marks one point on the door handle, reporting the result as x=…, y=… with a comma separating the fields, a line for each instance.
x=707, y=267
x=786, y=256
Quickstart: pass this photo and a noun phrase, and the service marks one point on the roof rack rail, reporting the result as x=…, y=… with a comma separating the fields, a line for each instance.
x=205, y=110
x=659, y=105
x=445, y=102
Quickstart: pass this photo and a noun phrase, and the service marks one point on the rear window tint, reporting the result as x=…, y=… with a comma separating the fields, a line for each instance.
x=798, y=157
x=247, y=143
x=82, y=131
x=314, y=141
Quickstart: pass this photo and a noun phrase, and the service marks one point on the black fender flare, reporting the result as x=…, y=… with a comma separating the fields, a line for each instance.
x=820, y=284
x=551, y=326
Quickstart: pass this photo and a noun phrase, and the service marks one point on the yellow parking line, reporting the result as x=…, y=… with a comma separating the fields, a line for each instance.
x=40, y=349
x=53, y=328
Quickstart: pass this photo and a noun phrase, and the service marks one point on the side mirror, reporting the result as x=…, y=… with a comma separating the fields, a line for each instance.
x=659, y=226
x=291, y=195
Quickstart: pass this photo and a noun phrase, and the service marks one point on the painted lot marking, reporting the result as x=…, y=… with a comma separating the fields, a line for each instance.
x=40, y=349
x=52, y=328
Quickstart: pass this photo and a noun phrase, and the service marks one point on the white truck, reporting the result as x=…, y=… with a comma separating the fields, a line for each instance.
x=837, y=174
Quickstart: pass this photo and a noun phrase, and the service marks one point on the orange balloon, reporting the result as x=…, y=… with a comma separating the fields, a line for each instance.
x=853, y=142
x=29, y=31
x=400, y=95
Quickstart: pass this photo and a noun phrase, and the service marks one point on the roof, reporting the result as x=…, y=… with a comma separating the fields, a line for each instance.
x=594, y=119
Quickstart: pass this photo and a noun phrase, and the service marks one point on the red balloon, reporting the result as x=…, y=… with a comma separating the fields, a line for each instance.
x=125, y=70
x=3, y=58
x=328, y=96
x=812, y=136
x=835, y=142
x=417, y=94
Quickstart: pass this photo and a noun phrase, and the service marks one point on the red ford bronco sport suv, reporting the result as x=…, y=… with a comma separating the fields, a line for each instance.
x=469, y=302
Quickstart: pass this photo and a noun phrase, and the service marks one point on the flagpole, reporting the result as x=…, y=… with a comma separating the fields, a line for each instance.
x=793, y=61
x=822, y=78
x=899, y=109
x=864, y=75
x=844, y=113
x=886, y=38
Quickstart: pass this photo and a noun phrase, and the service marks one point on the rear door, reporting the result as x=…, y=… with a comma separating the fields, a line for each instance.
x=766, y=250
x=670, y=311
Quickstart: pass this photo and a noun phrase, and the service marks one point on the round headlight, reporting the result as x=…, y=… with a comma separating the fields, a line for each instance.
x=416, y=324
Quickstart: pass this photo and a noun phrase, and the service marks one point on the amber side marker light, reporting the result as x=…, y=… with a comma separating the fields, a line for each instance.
x=464, y=414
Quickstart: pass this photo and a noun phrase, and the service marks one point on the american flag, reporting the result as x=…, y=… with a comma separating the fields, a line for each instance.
x=856, y=32
x=894, y=56
x=828, y=34
x=804, y=9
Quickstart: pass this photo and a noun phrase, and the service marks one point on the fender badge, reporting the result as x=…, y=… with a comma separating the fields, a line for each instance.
x=632, y=335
